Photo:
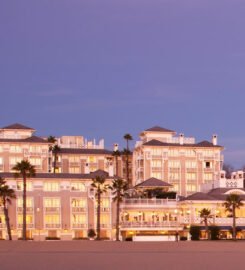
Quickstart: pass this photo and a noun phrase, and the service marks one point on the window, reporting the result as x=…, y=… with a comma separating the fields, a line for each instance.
x=191, y=164
x=173, y=152
x=74, y=170
x=208, y=176
x=174, y=176
x=174, y=164
x=51, y=202
x=29, y=219
x=76, y=202
x=1, y=161
x=14, y=160
x=191, y=176
x=208, y=153
x=51, y=186
x=35, y=149
x=156, y=152
x=92, y=160
x=176, y=187
x=157, y=175
x=74, y=159
x=36, y=161
x=190, y=153
x=29, y=185
x=78, y=219
x=1, y=148
x=77, y=186
x=156, y=163
x=52, y=219
x=191, y=188
x=207, y=165
x=15, y=149
x=29, y=202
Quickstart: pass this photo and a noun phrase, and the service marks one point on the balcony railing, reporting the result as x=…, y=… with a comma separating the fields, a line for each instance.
x=29, y=226
x=151, y=202
x=52, y=209
x=146, y=224
x=79, y=226
x=213, y=220
x=52, y=225
x=78, y=209
x=28, y=209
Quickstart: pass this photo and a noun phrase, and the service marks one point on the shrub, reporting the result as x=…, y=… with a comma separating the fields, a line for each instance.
x=214, y=232
x=195, y=233
x=183, y=238
x=80, y=238
x=51, y=238
x=91, y=233
x=129, y=238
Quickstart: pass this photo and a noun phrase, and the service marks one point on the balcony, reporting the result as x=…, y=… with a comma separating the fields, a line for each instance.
x=52, y=209
x=28, y=209
x=148, y=224
x=28, y=226
x=78, y=209
x=148, y=202
x=79, y=226
x=53, y=226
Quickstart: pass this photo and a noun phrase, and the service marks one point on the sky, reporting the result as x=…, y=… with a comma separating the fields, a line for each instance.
x=105, y=68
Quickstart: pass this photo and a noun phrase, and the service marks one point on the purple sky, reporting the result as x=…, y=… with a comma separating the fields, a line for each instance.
x=105, y=68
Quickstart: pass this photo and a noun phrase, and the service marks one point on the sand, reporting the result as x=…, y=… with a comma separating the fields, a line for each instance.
x=90, y=255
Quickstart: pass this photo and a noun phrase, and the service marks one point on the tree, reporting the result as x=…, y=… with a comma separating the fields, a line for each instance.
x=127, y=152
x=205, y=214
x=228, y=169
x=118, y=187
x=116, y=154
x=25, y=170
x=55, y=149
x=100, y=188
x=233, y=202
x=6, y=195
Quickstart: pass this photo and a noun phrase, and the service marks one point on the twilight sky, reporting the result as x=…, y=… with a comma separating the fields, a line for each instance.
x=103, y=68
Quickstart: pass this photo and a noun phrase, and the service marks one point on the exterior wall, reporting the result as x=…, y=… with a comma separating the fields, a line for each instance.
x=185, y=166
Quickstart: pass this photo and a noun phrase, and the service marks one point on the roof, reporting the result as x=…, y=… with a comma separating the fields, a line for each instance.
x=153, y=183
x=99, y=173
x=85, y=151
x=217, y=194
x=159, y=129
x=57, y=175
x=32, y=139
x=200, y=144
x=199, y=196
x=17, y=126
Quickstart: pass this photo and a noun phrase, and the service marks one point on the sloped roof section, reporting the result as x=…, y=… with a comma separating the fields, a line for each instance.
x=99, y=173
x=17, y=126
x=206, y=144
x=155, y=143
x=159, y=129
x=33, y=139
x=153, y=183
x=200, y=196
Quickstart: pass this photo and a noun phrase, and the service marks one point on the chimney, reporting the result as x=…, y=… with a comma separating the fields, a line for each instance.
x=181, y=139
x=215, y=139
x=115, y=147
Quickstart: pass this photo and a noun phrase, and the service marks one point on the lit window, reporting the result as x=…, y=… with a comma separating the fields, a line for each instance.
x=92, y=160
x=74, y=170
x=74, y=159
x=35, y=161
x=29, y=219
x=78, y=219
x=35, y=149
x=174, y=176
x=173, y=152
x=14, y=160
x=15, y=149
x=29, y=202
x=191, y=176
x=51, y=202
x=29, y=185
x=174, y=164
x=157, y=175
x=1, y=161
x=208, y=176
x=156, y=163
x=77, y=186
x=52, y=219
x=76, y=202
x=51, y=186
x=191, y=188
x=156, y=152
x=191, y=164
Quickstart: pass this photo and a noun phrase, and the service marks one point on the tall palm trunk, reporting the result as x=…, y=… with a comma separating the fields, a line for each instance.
x=24, y=207
x=117, y=218
x=234, y=223
x=6, y=215
x=55, y=161
x=98, y=215
x=206, y=227
x=117, y=165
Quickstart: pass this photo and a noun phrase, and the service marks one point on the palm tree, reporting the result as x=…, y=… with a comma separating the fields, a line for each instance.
x=205, y=214
x=25, y=170
x=119, y=186
x=100, y=188
x=6, y=195
x=55, y=149
x=127, y=152
x=116, y=154
x=233, y=202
